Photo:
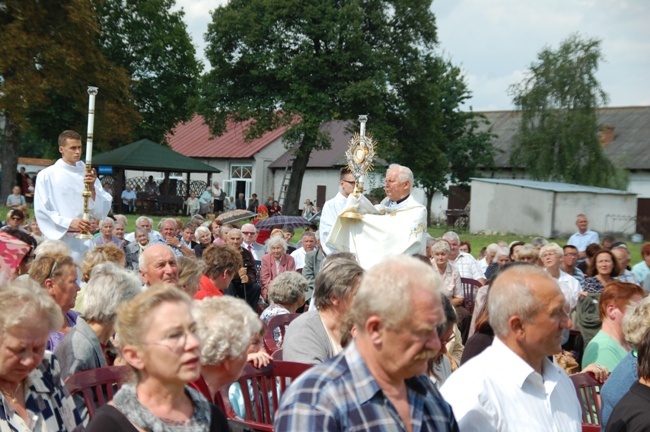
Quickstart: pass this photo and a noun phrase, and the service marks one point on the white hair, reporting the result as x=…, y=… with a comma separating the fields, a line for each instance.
x=108, y=287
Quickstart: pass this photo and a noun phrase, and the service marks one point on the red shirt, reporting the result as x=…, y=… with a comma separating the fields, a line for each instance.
x=207, y=289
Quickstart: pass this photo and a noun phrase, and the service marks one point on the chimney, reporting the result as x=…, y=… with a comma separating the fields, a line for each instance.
x=606, y=135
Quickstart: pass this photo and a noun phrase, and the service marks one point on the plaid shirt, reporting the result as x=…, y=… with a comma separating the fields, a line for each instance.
x=468, y=266
x=342, y=395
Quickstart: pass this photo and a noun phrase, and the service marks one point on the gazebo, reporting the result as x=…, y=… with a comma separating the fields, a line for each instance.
x=147, y=155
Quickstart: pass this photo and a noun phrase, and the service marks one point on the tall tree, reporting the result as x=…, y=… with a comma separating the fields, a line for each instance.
x=433, y=137
x=308, y=62
x=151, y=42
x=48, y=56
x=558, y=97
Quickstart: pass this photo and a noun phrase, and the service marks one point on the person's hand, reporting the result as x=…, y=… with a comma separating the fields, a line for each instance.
x=90, y=177
x=173, y=241
x=79, y=225
x=259, y=359
x=600, y=372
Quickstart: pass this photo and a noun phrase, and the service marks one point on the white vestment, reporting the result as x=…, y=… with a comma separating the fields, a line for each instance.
x=331, y=210
x=58, y=199
x=387, y=229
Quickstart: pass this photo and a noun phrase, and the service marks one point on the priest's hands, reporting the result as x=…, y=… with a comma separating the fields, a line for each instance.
x=79, y=225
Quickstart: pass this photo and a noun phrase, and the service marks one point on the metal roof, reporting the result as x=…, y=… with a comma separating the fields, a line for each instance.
x=630, y=148
x=553, y=186
x=193, y=139
x=149, y=156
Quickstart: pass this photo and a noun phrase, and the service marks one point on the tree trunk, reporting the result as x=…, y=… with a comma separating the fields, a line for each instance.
x=292, y=199
x=9, y=157
x=429, y=193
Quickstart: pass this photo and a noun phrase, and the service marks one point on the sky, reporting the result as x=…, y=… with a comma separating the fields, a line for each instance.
x=495, y=41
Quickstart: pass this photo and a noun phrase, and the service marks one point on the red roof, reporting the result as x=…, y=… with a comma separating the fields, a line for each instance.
x=193, y=139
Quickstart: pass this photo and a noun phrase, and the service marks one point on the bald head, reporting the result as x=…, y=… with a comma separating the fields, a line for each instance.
x=158, y=264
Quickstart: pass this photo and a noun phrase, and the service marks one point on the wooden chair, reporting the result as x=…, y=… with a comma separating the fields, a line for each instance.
x=280, y=322
x=98, y=386
x=470, y=286
x=588, y=391
x=277, y=355
x=261, y=391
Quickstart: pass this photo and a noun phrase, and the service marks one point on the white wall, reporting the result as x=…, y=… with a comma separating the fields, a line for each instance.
x=607, y=213
x=640, y=184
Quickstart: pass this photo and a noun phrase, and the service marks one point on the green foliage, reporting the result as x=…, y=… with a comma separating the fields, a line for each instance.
x=433, y=137
x=152, y=44
x=557, y=137
x=305, y=62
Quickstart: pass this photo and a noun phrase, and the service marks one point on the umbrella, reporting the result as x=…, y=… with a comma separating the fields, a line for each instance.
x=292, y=221
x=235, y=216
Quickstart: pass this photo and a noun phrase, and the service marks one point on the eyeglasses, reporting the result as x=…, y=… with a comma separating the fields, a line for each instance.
x=571, y=254
x=16, y=218
x=175, y=341
x=349, y=182
x=248, y=232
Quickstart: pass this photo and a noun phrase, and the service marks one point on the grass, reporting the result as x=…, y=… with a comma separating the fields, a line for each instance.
x=477, y=241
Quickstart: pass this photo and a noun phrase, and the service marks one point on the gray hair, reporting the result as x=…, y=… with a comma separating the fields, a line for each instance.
x=308, y=234
x=450, y=235
x=387, y=289
x=200, y=230
x=404, y=173
x=528, y=251
x=276, y=240
x=249, y=225
x=337, y=279
x=503, y=251
x=287, y=288
x=104, y=221
x=492, y=248
x=52, y=247
x=108, y=287
x=23, y=301
x=552, y=247
x=636, y=321
x=441, y=246
x=166, y=220
x=141, y=219
x=538, y=242
x=225, y=326
x=512, y=294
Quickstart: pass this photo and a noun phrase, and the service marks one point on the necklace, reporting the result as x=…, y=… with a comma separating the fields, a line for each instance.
x=11, y=395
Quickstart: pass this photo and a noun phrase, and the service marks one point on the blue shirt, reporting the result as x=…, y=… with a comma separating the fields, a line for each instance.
x=341, y=395
x=618, y=383
x=581, y=241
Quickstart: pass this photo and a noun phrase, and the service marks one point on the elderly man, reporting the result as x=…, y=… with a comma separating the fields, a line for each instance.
x=378, y=382
x=249, y=232
x=569, y=263
x=512, y=385
x=622, y=254
x=145, y=223
x=168, y=229
x=222, y=263
x=157, y=263
x=307, y=244
x=244, y=284
x=466, y=264
x=397, y=225
x=584, y=237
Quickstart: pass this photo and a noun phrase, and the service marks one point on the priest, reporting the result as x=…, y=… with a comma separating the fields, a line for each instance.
x=58, y=199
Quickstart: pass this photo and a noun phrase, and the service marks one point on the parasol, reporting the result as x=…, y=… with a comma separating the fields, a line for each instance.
x=282, y=220
x=235, y=216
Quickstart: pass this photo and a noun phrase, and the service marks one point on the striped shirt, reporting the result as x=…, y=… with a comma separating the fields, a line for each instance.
x=342, y=395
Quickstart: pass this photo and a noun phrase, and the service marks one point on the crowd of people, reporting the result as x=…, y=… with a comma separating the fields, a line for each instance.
x=394, y=345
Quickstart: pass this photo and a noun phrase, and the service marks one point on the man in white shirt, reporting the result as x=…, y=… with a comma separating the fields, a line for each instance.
x=308, y=244
x=249, y=232
x=584, y=237
x=465, y=263
x=512, y=385
x=58, y=200
x=490, y=253
x=145, y=223
x=333, y=208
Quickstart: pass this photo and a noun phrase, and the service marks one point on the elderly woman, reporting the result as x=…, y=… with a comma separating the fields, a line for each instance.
x=226, y=326
x=275, y=262
x=189, y=274
x=106, y=233
x=135, y=248
x=87, y=345
x=30, y=381
x=203, y=236
x=609, y=347
x=99, y=254
x=528, y=254
x=286, y=294
x=15, y=220
x=452, y=288
x=58, y=275
x=635, y=323
x=158, y=341
x=315, y=336
x=602, y=270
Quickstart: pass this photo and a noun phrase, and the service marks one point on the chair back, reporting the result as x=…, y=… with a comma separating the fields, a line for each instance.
x=261, y=391
x=588, y=391
x=470, y=286
x=277, y=355
x=279, y=322
x=98, y=386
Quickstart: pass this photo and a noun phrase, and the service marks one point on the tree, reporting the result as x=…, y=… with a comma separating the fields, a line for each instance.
x=557, y=138
x=433, y=137
x=152, y=44
x=308, y=62
x=48, y=56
